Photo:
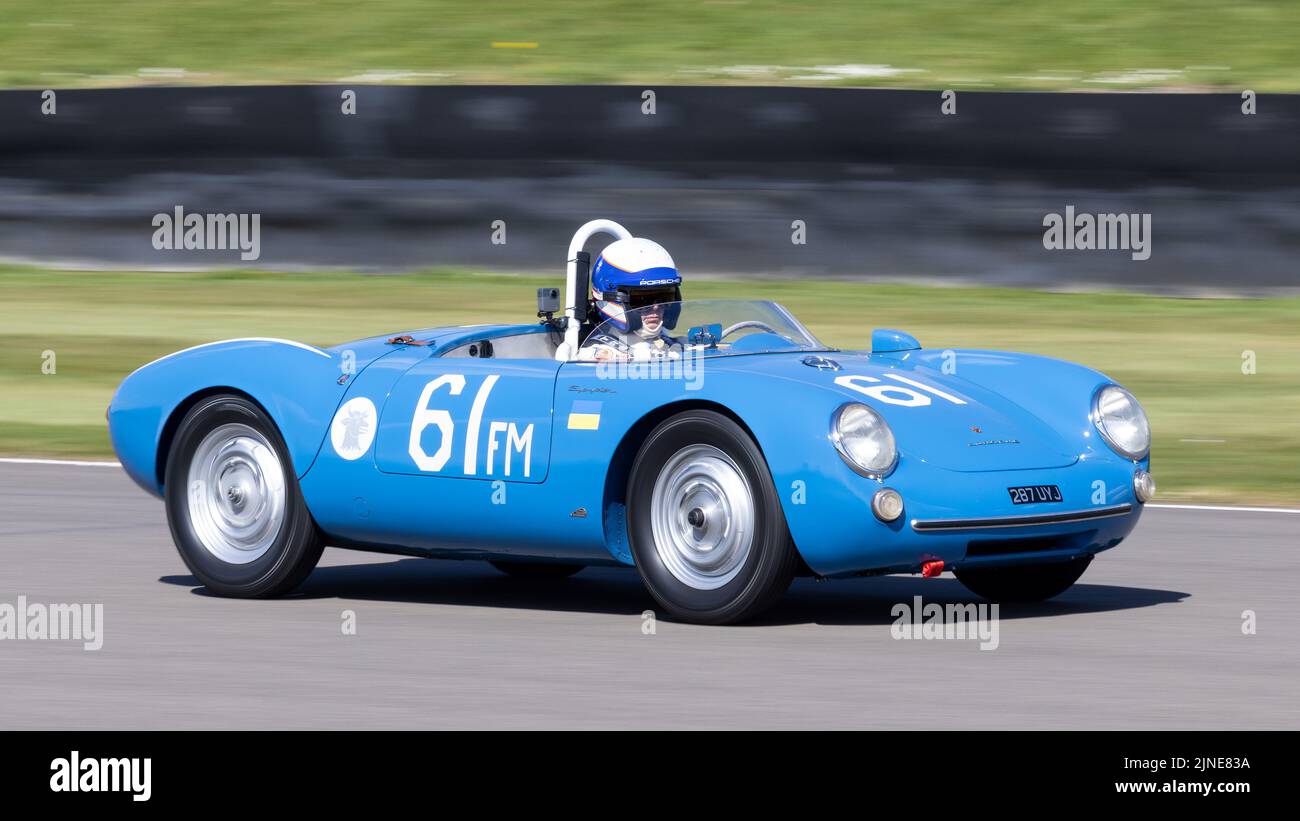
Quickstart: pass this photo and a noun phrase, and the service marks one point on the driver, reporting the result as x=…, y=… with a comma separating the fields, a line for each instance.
x=631, y=281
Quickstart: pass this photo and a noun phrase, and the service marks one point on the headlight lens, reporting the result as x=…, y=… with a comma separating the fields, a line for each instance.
x=864, y=440
x=1121, y=421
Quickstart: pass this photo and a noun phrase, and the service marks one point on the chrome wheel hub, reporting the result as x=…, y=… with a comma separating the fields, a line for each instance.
x=236, y=494
x=702, y=517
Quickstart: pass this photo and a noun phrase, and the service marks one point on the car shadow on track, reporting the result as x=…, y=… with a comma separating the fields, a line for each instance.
x=618, y=591
x=869, y=601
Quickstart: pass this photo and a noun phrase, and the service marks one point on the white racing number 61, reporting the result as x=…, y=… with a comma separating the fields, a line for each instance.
x=425, y=416
x=894, y=394
x=516, y=442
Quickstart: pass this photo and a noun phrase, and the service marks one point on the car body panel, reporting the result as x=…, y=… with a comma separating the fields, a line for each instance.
x=969, y=424
x=503, y=405
x=297, y=385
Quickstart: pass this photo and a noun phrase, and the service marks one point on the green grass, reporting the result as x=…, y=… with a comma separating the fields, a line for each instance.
x=1086, y=44
x=1182, y=357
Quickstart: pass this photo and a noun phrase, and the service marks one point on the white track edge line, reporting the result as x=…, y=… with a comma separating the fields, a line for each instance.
x=1229, y=508
x=72, y=462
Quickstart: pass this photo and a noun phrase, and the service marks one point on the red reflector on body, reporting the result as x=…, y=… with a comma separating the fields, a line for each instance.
x=931, y=569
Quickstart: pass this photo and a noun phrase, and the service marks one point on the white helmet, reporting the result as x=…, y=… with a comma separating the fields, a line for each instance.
x=633, y=273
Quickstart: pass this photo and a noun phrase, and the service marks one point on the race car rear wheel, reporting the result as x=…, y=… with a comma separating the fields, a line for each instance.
x=233, y=504
x=536, y=570
x=1023, y=583
x=705, y=522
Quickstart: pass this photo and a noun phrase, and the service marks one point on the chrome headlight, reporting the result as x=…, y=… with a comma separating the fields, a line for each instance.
x=1121, y=421
x=864, y=440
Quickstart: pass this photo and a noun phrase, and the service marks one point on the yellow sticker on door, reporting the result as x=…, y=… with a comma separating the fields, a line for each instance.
x=584, y=415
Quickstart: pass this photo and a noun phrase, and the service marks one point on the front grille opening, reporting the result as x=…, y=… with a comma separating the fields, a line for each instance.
x=1035, y=544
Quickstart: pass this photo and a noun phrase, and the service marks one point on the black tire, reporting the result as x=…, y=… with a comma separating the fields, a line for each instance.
x=536, y=570
x=297, y=546
x=1023, y=583
x=766, y=571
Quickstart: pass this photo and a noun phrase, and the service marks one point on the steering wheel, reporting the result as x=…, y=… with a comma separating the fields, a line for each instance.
x=748, y=323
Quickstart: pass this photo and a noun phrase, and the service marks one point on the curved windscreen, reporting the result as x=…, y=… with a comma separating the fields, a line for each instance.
x=704, y=327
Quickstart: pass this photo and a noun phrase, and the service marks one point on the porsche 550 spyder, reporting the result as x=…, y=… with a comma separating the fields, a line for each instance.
x=752, y=454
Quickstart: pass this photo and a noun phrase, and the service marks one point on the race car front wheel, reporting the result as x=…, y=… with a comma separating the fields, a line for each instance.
x=705, y=522
x=233, y=503
x=1023, y=583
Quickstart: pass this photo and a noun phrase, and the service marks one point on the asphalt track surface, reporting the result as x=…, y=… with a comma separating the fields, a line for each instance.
x=1151, y=637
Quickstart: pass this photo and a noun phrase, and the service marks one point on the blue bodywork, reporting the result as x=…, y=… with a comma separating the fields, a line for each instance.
x=539, y=451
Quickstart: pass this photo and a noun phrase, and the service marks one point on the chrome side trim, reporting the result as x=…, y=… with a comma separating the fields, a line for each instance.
x=1022, y=521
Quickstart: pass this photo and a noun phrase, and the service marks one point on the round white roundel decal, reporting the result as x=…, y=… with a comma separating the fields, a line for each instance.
x=354, y=428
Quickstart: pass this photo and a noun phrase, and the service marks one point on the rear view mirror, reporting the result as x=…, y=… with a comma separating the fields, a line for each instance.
x=706, y=335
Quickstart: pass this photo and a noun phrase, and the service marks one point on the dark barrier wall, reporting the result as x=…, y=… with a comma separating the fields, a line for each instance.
x=1151, y=136
x=789, y=182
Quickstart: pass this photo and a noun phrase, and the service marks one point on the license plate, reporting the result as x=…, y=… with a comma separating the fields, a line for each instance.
x=1029, y=494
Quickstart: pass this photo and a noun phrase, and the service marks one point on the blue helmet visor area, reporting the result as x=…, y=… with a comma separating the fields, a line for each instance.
x=633, y=298
x=672, y=311
x=630, y=298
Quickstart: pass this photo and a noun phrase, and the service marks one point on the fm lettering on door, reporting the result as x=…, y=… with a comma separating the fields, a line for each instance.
x=504, y=440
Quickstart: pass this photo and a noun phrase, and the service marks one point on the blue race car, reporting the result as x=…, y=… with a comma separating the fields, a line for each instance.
x=736, y=453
